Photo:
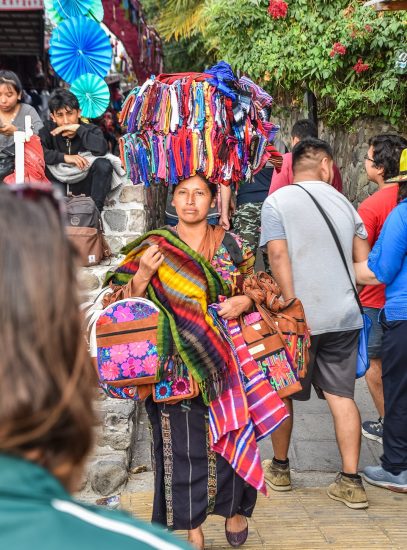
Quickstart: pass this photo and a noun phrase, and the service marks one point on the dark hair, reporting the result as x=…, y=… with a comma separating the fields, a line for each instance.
x=387, y=149
x=308, y=147
x=61, y=98
x=402, y=191
x=11, y=79
x=304, y=128
x=213, y=188
x=47, y=379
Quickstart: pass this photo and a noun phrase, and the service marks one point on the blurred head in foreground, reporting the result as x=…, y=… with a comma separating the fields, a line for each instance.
x=46, y=379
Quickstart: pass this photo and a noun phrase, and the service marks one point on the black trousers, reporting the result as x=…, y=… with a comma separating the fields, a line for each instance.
x=97, y=183
x=394, y=367
x=190, y=480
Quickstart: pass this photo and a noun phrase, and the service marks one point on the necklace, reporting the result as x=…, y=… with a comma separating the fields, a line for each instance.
x=13, y=116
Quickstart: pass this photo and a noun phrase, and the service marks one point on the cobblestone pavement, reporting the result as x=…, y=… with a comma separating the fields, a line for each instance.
x=305, y=518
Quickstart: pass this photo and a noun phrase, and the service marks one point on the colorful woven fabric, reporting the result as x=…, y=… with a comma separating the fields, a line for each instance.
x=184, y=273
x=209, y=123
x=247, y=412
x=233, y=274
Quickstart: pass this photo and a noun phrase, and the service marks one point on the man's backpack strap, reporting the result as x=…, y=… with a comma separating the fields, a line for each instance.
x=233, y=248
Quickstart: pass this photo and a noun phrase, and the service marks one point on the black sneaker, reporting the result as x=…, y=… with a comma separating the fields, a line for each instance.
x=373, y=430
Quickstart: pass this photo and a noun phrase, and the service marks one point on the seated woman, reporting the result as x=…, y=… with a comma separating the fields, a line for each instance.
x=12, y=118
x=192, y=481
x=47, y=388
x=387, y=264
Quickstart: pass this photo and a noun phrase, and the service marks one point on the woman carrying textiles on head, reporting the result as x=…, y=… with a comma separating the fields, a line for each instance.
x=188, y=266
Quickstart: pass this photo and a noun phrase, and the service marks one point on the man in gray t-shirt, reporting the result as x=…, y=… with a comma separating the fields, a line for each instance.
x=306, y=263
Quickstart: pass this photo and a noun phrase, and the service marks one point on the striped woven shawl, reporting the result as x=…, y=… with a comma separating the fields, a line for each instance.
x=183, y=287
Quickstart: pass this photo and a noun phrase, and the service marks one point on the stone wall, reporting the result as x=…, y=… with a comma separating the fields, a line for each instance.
x=129, y=212
x=349, y=147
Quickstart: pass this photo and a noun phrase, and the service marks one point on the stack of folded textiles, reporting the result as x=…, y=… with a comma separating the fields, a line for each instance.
x=208, y=123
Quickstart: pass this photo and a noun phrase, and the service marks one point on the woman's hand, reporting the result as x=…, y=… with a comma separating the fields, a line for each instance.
x=150, y=261
x=8, y=129
x=234, y=307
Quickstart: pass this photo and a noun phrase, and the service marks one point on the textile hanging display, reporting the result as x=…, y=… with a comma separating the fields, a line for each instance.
x=78, y=46
x=58, y=10
x=209, y=123
x=93, y=94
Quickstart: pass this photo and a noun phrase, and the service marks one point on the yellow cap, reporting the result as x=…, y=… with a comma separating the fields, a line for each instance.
x=403, y=169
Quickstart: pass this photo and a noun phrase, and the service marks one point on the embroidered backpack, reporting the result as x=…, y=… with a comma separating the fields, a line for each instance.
x=124, y=342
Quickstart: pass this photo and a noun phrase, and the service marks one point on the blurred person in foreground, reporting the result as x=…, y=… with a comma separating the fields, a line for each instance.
x=47, y=388
x=387, y=264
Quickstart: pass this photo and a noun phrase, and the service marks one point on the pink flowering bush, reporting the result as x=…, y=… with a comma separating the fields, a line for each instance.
x=278, y=9
x=360, y=67
x=337, y=48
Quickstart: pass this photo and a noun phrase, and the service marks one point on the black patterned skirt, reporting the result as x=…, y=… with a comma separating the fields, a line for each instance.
x=191, y=481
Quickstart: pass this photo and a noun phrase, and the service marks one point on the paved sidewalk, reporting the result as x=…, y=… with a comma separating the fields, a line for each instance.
x=305, y=518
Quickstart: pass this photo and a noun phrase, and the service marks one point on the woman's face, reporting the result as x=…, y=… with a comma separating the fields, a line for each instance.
x=8, y=98
x=192, y=200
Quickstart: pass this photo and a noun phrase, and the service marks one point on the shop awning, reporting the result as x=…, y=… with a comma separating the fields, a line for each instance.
x=21, y=27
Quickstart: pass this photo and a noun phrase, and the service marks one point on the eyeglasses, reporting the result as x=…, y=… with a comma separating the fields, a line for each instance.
x=366, y=157
x=35, y=192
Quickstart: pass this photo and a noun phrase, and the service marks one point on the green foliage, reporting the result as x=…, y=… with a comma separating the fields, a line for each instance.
x=184, y=47
x=288, y=56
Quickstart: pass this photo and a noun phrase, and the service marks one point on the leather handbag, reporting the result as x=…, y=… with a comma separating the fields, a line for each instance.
x=285, y=318
x=363, y=362
x=85, y=230
x=267, y=346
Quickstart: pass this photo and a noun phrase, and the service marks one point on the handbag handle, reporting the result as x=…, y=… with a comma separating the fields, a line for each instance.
x=337, y=242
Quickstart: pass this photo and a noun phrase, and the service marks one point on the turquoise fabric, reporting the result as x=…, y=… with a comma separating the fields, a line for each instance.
x=37, y=513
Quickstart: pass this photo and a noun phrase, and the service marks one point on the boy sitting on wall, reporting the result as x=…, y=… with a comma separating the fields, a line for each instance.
x=71, y=148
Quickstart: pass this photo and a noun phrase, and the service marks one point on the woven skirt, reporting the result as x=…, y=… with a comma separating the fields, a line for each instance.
x=191, y=481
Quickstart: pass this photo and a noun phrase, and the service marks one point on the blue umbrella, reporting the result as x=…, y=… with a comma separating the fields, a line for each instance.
x=72, y=8
x=95, y=10
x=78, y=46
x=52, y=12
x=92, y=93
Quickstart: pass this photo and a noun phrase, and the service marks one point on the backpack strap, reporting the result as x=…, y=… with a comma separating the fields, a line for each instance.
x=337, y=242
x=229, y=242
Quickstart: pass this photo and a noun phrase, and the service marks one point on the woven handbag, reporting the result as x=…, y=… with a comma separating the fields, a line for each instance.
x=126, y=338
x=176, y=383
x=268, y=347
x=277, y=334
